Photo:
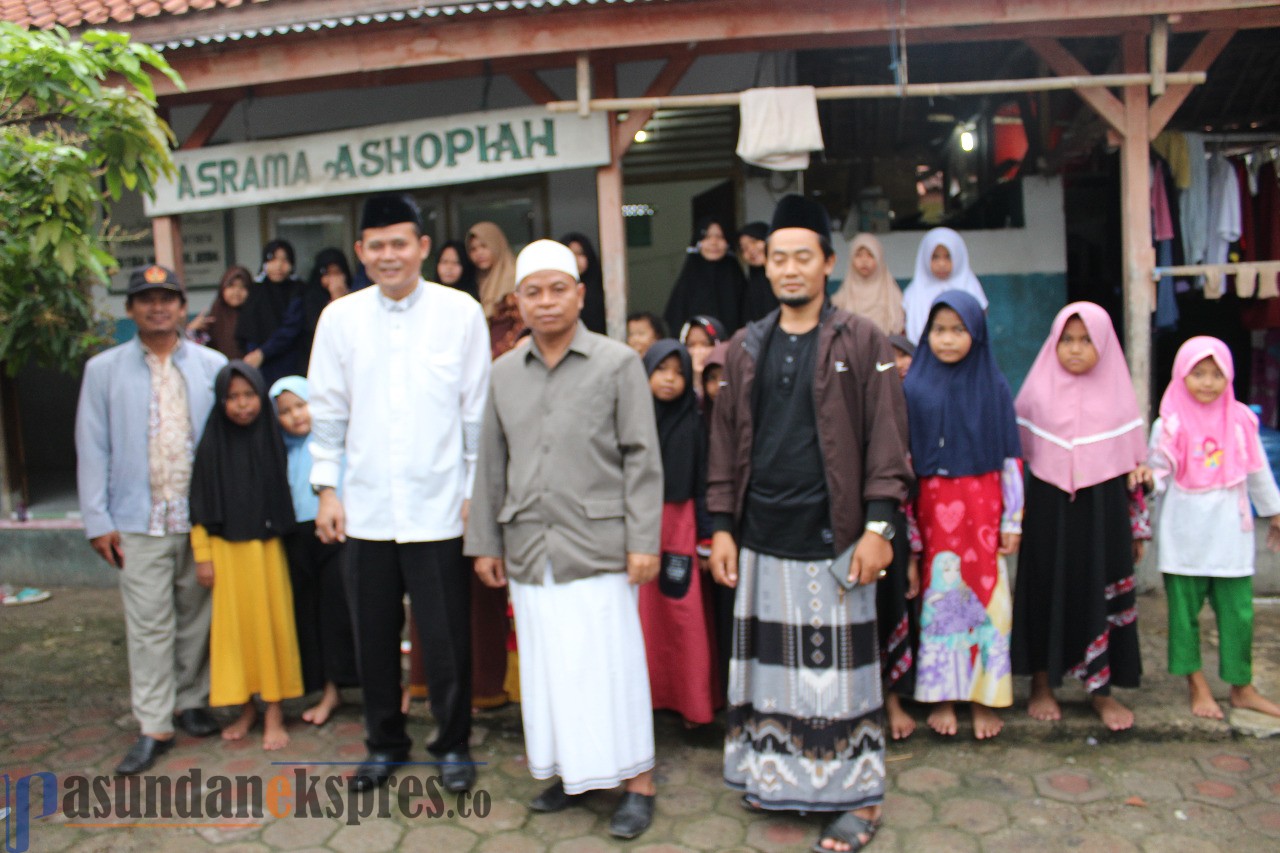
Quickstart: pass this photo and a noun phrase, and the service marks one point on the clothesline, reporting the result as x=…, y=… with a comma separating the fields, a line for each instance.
x=584, y=105
x=1158, y=273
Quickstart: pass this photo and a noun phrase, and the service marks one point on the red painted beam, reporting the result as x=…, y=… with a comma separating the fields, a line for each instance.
x=492, y=36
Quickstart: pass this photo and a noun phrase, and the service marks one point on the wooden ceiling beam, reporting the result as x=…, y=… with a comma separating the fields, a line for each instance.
x=663, y=84
x=532, y=86
x=1208, y=50
x=1062, y=63
x=208, y=125
x=722, y=23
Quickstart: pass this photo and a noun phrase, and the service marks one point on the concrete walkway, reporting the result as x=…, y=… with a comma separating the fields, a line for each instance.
x=1174, y=784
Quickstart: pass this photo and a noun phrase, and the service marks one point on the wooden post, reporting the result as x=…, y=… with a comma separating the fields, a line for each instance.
x=1135, y=216
x=613, y=231
x=166, y=232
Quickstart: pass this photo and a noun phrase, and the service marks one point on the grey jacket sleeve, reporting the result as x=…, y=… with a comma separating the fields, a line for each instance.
x=93, y=453
x=641, y=459
x=484, y=533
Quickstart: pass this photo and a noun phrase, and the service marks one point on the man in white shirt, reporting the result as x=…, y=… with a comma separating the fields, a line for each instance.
x=398, y=375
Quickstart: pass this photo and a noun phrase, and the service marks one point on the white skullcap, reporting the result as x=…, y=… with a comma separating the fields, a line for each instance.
x=546, y=255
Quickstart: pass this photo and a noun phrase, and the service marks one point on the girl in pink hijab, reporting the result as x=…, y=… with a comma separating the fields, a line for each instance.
x=1084, y=440
x=1207, y=454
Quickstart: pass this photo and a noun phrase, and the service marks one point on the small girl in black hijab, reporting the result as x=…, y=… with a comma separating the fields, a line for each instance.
x=240, y=508
x=675, y=610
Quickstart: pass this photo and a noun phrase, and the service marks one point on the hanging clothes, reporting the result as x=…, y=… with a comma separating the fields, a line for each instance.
x=1224, y=210
x=1194, y=203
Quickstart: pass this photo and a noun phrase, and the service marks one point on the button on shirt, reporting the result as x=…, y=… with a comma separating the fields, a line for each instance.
x=787, y=511
x=570, y=469
x=171, y=446
x=399, y=385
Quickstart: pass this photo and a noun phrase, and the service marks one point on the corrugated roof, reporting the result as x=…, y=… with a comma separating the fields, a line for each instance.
x=43, y=14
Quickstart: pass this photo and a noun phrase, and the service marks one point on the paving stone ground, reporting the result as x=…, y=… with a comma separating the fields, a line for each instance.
x=1174, y=784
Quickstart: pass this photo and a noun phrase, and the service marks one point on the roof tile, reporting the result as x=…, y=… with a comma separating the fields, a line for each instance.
x=43, y=14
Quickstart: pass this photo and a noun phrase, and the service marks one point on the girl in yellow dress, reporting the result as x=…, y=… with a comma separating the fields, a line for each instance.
x=240, y=507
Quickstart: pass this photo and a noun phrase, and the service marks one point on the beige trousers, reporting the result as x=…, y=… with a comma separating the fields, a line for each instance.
x=167, y=623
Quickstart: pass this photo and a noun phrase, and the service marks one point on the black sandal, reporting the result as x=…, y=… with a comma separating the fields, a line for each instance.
x=847, y=828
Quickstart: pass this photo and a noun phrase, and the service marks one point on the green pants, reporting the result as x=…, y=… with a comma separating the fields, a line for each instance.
x=1232, y=602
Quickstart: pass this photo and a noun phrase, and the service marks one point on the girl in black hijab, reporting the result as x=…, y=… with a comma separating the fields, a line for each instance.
x=711, y=281
x=270, y=322
x=455, y=269
x=675, y=610
x=330, y=279
x=592, y=277
x=240, y=509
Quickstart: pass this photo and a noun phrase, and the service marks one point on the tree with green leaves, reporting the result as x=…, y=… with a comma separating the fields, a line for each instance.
x=78, y=127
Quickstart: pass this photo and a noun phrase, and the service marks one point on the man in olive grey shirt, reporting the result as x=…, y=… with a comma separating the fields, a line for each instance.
x=567, y=507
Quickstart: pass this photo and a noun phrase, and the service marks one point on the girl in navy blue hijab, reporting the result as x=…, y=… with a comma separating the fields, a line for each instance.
x=966, y=454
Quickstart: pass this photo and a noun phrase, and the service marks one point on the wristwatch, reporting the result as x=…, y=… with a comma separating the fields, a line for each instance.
x=882, y=528
x=316, y=490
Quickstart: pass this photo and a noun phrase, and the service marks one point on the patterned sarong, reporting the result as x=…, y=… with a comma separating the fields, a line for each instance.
x=805, y=712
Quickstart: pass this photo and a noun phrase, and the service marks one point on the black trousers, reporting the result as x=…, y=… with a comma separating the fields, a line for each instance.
x=320, y=610
x=438, y=580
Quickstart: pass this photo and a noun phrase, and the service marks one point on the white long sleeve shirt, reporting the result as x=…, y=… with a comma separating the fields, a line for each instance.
x=400, y=388
x=1199, y=533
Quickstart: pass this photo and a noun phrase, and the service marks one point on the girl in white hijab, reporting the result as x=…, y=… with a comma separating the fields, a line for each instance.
x=942, y=263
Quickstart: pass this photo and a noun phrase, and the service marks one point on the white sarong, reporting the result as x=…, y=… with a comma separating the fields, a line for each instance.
x=584, y=683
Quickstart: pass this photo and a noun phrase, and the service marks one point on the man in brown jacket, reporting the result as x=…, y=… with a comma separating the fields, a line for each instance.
x=807, y=466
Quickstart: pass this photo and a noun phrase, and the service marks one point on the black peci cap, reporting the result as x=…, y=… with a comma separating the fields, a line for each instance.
x=796, y=211
x=390, y=209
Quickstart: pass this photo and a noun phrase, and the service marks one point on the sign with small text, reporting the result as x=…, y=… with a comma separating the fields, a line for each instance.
x=423, y=153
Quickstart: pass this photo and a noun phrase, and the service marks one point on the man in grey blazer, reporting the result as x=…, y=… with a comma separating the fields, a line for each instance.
x=143, y=406
x=567, y=509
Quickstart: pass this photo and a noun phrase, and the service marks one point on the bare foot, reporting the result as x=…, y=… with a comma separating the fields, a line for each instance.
x=274, y=735
x=244, y=722
x=943, y=719
x=1114, y=716
x=1202, y=701
x=901, y=724
x=872, y=814
x=318, y=714
x=986, y=722
x=1249, y=697
x=1042, y=705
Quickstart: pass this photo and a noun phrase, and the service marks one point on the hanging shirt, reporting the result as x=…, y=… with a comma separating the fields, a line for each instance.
x=399, y=386
x=1224, y=209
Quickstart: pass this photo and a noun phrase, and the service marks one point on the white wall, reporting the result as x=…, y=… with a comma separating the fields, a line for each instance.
x=652, y=271
x=1039, y=247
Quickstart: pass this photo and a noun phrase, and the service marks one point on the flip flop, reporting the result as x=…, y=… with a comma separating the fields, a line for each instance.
x=847, y=828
